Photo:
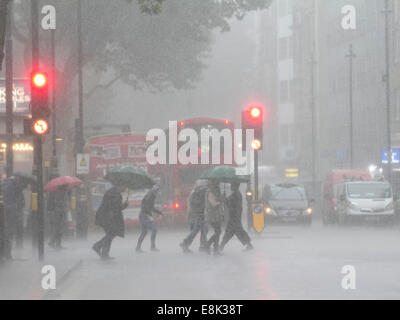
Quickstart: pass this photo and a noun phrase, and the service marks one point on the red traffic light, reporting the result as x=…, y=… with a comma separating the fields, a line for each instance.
x=253, y=119
x=40, y=127
x=255, y=112
x=39, y=79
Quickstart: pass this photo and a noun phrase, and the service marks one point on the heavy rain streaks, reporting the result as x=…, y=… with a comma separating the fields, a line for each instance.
x=199, y=150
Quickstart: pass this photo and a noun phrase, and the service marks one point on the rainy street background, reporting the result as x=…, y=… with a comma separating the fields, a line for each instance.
x=288, y=262
x=84, y=84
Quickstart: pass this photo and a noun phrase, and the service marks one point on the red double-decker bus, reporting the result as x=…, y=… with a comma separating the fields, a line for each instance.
x=177, y=180
x=114, y=150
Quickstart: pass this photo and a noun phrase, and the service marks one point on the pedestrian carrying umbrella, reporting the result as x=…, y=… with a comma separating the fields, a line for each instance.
x=130, y=177
x=54, y=184
x=26, y=177
x=224, y=174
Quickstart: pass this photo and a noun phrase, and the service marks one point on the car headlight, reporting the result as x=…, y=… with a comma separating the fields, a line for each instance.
x=389, y=207
x=308, y=211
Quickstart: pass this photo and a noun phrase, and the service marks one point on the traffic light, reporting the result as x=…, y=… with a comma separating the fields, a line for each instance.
x=40, y=103
x=253, y=118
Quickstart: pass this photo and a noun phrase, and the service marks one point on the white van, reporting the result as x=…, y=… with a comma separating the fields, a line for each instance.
x=370, y=200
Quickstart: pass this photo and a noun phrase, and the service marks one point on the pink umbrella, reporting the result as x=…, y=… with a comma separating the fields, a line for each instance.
x=54, y=184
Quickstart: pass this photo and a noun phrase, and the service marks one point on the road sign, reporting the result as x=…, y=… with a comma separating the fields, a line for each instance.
x=82, y=163
x=258, y=216
x=395, y=156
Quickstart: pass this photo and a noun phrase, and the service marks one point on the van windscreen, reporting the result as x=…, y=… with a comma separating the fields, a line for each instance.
x=369, y=191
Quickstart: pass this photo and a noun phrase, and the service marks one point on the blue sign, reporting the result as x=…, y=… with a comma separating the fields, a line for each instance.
x=395, y=156
x=258, y=209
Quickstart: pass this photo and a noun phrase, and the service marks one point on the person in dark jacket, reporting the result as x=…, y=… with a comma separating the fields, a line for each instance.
x=146, y=219
x=109, y=217
x=9, y=188
x=197, y=202
x=58, y=206
x=234, y=226
x=20, y=205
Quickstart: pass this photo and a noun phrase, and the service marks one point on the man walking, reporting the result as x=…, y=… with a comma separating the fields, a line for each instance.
x=109, y=217
x=234, y=226
x=146, y=219
x=197, y=202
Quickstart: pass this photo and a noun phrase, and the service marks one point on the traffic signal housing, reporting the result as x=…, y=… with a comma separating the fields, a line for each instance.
x=40, y=103
x=253, y=118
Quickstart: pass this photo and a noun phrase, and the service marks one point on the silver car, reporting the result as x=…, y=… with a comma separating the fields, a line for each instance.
x=370, y=200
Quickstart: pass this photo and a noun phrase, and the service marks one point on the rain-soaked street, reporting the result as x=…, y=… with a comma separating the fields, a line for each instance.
x=124, y=123
x=288, y=262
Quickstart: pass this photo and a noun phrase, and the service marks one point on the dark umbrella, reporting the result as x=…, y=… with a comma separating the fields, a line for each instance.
x=54, y=184
x=131, y=177
x=224, y=174
x=26, y=177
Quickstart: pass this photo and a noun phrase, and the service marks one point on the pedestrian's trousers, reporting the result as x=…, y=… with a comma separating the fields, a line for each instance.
x=105, y=244
x=198, y=225
x=147, y=224
x=214, y=240
x=58, y=226
x=235, y=229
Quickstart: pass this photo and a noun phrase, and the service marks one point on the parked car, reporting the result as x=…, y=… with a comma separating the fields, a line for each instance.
x=367, y=200
x=287, y=202
x=333, y=178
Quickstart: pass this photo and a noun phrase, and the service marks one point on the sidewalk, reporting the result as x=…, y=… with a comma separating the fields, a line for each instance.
x=21, y=278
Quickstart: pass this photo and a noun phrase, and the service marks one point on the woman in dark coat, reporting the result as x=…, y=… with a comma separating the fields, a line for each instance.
x=58, y=206
x=109, y=217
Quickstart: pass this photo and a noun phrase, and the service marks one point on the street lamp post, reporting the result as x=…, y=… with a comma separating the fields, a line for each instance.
x=387, y=12
x=313, y=62
x=9, y=93
x=351, y=55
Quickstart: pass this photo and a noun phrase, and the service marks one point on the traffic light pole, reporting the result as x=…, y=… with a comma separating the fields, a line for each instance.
x=38, y=156
x=54, y=162
x=40, y=200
